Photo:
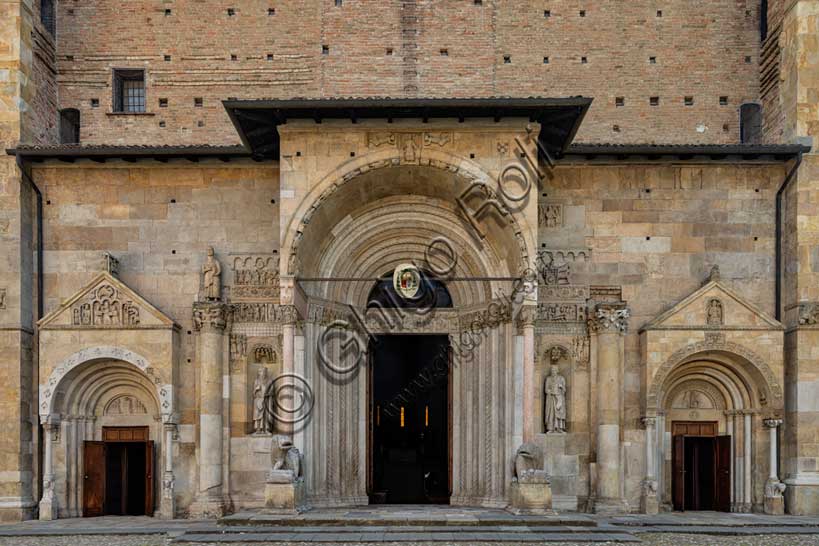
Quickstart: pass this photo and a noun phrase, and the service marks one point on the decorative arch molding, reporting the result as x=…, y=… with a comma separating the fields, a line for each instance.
x=468, y=171
x=690, y=352
x=48, y=391
x=708, y=389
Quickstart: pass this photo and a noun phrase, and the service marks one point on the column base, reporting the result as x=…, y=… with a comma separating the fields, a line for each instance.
x=802, y=500
x=13, y=511
x=610, y=506
x=649, y=504
x=206, y=507
x=774, y=506
x=48, y=509
x=531, y=498
x=285, y=497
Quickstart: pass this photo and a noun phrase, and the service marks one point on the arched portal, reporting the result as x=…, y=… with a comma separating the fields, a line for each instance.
x=710, y=406
x=103, y=438
x=360, y=223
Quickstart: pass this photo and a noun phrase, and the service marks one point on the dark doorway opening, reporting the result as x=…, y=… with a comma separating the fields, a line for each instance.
x=118, y=477
x=701, y=473
x=409, y=451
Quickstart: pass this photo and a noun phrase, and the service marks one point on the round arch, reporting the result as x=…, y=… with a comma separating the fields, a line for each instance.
x=80, y=365
x=339, y=194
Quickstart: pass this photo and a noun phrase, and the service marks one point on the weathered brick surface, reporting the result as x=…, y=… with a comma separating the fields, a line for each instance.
x=699, y=52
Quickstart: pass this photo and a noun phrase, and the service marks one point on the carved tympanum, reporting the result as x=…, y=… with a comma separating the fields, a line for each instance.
x=105, y=306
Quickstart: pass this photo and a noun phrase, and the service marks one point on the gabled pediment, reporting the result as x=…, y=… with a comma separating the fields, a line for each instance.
x=106, y=302
x=714, y=306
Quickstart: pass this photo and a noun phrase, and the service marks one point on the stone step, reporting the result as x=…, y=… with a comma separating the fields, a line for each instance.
x=365, y=535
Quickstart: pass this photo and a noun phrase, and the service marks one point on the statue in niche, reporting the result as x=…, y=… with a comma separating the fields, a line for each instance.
x=261, y=424
x=211, y=277
x=554, y=413
x=714, y=315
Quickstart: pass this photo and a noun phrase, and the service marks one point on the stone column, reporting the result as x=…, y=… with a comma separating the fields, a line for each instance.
x=286, y=402
x=48, y=504
x=608, y=323
x=747, y=499
x=649, y=502
x=774, y=501
x=527, y=321
x=209, y=321
x=167, y=507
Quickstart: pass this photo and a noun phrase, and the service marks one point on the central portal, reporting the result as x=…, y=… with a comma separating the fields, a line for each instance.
x=410, y=435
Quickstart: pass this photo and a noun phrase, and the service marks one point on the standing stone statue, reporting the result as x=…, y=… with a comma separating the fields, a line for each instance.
x=212, y=277
x=554, y=414
x=261, y=424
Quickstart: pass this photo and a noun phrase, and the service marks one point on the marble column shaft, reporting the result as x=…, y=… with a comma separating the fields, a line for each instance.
x=527, y=320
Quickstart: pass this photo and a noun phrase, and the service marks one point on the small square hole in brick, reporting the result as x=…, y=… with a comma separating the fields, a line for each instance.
x=756, y=190
x=162, y=124
x=325, y=50
x=507, y=59
x=659, y=13
x=95, y=103
x=747, y=59
x=339, y=3
x=70, y=11
x=69, y=57
x=688, y=101
x=389, y=51
x=352, y=154
x=234, y=57
x=200, y=123
x=725, y=128
x=167, y=12
x=547, y=13
x=648, y=238
x=615, y=128
x=582, y=13
x=173, y=251
x=471, y=156
x=198, y=102
x=271, y=11
x=269, y=56
x=584, y=60
x=444, y=53
x=231, y=12
x=723, y=101
x=298, y=154
x=163, y=103
x=652, y=60
x=648, y=190
x=619, y=101
x=478, y=2
x=654, y=101
x=756, y=238
x=173, y=200
x=167, y=58
x=545, y=60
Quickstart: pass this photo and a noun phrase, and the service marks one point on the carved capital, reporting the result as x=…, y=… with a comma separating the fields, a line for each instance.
x=209, y=316
x=808, y=313
x=609, y=317
x=526, y=315
x=771, y=423
x=649, y=422
x=289, y=314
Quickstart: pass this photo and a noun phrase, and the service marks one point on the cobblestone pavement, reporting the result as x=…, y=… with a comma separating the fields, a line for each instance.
x=649, y=539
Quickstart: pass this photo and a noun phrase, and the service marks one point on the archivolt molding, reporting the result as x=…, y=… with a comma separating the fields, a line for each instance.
x=686, y=353
x=48, y=390
x=468, y=171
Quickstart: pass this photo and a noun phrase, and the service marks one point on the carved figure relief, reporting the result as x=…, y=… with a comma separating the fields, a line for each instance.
x=550, y=215
x=125, y=405
x=261, y=421
x=580, y=350
x=264, y=354
x=714, y=313
x=211, y=277
x=255, y=276
x=554, y=389
x=238, y=347
x=2, y=298
x=105, y=306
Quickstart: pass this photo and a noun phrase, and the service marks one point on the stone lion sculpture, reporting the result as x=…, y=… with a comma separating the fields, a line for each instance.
x=285, y=457
x=529, y=464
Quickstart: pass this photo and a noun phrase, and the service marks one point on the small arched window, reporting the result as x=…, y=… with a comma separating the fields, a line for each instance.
x=48, y=16
x=750, y=123
x=69, y=126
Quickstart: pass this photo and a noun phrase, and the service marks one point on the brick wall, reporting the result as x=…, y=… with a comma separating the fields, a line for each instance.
x=414, y=47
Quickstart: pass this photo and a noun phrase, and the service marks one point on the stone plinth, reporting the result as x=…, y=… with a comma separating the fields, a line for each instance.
x=531, y=494
x=774, y=506
x=283, y=493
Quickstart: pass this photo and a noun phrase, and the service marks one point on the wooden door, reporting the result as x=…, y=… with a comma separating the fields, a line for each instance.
x=678, y=473
x=149, y=478
x=93, y=488
x=722, y=485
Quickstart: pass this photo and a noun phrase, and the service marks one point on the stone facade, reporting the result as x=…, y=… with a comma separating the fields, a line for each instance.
x=674, y=289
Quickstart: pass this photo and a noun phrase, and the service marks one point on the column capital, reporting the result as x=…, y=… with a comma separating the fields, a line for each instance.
x=209, y=316
x=771, y=423
x=526, y=315
x=289, y=314
x=609, y=317
x=648, y=422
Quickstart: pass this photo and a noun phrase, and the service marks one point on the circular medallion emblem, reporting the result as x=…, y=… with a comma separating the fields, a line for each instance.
x=406, y=280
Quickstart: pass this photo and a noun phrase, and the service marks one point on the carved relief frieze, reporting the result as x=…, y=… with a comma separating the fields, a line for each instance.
x=550, y=215
x=409, y=144
x=561, y=312
x=255, y=276
x=324, y=314
x=563, y=293
x=105, y=306
x=125, y=405
x=258, y=312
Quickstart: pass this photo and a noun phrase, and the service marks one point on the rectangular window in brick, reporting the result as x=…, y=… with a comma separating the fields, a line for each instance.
x=723, y=101
x=654, y=101
x=163, y=103
x=198, y=102
x=619, y=101
x=689, y=101
x=129, y=91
